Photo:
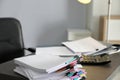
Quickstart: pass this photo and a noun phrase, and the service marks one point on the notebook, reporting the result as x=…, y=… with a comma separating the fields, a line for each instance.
x=44, y=63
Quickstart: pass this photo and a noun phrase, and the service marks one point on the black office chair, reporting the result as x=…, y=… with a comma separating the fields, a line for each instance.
x=11, y=40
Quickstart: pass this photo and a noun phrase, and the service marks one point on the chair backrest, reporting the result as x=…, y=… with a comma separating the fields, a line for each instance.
x=11, y=39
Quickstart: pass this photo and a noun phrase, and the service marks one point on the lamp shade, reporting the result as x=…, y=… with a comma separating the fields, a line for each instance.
x=84, y=1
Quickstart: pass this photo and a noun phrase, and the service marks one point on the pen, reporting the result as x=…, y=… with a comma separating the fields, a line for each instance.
x=69, y=55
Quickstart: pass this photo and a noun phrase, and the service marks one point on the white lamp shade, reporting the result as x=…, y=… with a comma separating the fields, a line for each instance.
x=84, y=1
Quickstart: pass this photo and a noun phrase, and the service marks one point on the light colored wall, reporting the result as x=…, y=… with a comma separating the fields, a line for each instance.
x=45, y=22
x=98, y=8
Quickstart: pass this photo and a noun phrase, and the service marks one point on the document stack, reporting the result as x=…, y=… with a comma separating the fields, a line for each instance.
x=86, y=45
x=89, y=45
x=47, y=64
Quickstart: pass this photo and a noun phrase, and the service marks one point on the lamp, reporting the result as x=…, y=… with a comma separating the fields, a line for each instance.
x=84, y=1
x=108, y=15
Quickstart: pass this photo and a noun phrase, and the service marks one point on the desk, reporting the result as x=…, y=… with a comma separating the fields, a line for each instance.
x=101, y=72
x=7, y=73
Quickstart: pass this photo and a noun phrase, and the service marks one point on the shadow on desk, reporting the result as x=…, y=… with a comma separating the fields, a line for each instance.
x=8, y=77
x=7, y=73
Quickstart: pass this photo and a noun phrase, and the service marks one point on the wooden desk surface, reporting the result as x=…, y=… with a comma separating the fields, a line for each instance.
x=100, y=72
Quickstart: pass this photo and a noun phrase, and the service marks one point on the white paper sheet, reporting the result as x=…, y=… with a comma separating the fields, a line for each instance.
x=54, y=50
x=84, y=45
x=43, y=63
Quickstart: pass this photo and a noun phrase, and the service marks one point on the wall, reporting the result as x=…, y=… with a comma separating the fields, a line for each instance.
x=45, y=22
x=98, y=8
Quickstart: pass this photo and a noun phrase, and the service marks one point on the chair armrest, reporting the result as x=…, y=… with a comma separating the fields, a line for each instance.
x=32, y=50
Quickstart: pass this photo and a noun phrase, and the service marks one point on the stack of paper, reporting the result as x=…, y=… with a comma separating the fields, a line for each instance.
x=44, y=63
x=36, y=75
x=43, y=66
x=85, y=45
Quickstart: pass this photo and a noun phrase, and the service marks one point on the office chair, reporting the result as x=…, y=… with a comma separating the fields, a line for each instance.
x=11, y=40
